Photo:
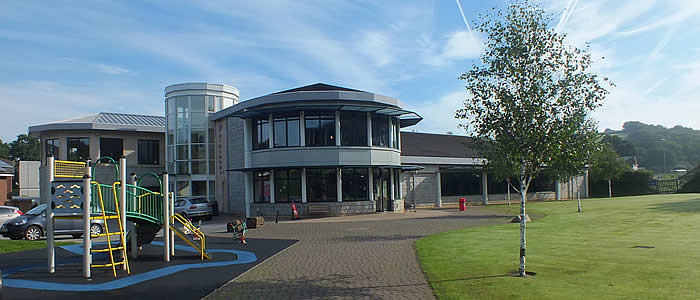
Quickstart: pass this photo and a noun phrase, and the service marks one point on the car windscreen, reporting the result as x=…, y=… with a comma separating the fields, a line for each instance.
x=37, y=210
x=198, y=200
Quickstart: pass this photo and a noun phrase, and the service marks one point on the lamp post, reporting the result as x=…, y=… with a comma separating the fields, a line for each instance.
x=664, y=149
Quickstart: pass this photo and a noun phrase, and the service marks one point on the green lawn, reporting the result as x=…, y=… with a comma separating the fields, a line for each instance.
x=23, y=245
x=589, y=255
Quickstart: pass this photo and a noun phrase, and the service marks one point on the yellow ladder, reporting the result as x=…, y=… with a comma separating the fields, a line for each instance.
x=108, y=234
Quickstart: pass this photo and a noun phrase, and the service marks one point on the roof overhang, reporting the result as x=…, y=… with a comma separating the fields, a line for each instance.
x=446, y=161
x=35, y=130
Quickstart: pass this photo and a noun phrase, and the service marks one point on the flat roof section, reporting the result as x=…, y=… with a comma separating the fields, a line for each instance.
x=438, y=145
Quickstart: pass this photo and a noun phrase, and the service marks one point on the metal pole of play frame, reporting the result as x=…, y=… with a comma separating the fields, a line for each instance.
x=171, y=198
x=49, y=217
x=133, y=242
x=88, y=171
x=122, y=201
x=87, y=256
x=166, y=218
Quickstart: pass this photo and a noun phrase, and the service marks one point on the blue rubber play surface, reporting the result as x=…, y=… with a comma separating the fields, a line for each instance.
x=186, y=276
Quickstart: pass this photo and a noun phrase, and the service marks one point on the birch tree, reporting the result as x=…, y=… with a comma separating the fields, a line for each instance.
x=530, y=96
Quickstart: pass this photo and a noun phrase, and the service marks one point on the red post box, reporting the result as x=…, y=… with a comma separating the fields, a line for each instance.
x=462, y=204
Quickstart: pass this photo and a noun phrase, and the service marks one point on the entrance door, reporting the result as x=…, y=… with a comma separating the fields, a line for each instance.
x=381, y=190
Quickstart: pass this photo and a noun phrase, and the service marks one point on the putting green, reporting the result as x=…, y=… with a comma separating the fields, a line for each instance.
x=645, y=247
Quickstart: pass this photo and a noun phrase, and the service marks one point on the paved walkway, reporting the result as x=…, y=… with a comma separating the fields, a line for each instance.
x=366, y=257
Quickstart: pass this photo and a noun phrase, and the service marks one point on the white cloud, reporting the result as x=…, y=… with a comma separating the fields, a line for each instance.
x=37, y=102
x=112, y=70
x=376, y=46
x=439, y=116
x=460, y=45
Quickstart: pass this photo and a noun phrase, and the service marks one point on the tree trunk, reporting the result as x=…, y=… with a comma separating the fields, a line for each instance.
x=578, y=194
x=508, y=191
x=609, y=188
x=523, y=191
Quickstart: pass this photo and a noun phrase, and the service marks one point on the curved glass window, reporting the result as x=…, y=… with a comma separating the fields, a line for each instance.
x=261, y=134
x=320, y=128
x=288, y=185
x=380, y=131
x=321, y=185
x=261, y=187
x=353, y=128
x=286, y=131
x=355, y=184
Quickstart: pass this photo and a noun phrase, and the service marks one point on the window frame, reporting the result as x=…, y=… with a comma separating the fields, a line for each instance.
x=357, y=128
x=319, y=136
x=259, y=176
x=352, y=184
x=111, y=139
x=284, y=178
x=68, y=152
x=285, y=119
x=380, y=133
x=153, y=145
x=55, y=150
x=326, y=185
x=258, y=133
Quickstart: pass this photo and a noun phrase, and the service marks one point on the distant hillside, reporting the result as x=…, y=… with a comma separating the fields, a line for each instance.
x=681, y=145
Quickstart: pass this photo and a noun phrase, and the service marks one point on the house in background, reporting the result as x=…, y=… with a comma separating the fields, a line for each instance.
x=7, y=173
x=140, y=138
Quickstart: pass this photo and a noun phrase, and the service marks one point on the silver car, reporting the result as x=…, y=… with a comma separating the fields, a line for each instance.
x=193, y=207
x=8, y=212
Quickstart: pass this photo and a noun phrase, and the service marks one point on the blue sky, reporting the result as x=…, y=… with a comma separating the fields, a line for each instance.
x=74, y=58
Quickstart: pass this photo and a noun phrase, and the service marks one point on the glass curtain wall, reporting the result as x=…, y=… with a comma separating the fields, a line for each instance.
x=189, y=143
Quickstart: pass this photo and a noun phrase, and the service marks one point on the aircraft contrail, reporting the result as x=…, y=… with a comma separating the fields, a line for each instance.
x=469, y=28
x=565, y=16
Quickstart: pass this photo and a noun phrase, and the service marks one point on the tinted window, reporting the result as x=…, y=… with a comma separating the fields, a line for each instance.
x=355, y=184
x=320, y=128
x=380, y=131
x=198, y=200
x=261, y=187
x=111, y=147
x=149, y=152
x=261, y=134
x=288, y=185
x=321, y=185
x=37, y=210
x=353, y=128
x=286, y=130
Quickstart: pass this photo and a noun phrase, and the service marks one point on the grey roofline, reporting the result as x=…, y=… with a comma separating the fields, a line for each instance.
x=199, y=86
x=305, y=96
x=92, y=126
x=105, y=121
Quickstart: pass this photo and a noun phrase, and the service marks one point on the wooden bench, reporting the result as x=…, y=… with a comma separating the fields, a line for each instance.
x=318, y=210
